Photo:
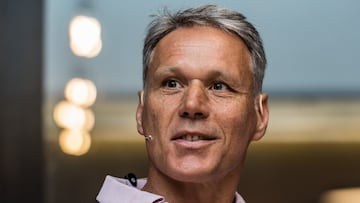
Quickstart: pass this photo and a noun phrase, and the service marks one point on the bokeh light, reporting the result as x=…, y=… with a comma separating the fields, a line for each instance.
x=85, y=36
x=74, y=142
x=71, y=116
x=345, y=195
x=81, y=92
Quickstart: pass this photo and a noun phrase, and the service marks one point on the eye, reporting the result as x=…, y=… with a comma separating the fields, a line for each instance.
x=171, y=83
x=219, y=86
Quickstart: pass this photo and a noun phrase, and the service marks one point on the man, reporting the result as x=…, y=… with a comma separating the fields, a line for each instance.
x=200, y=107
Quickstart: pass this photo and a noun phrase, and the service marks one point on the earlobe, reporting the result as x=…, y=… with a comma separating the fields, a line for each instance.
x=139, y=112
x=262, y=116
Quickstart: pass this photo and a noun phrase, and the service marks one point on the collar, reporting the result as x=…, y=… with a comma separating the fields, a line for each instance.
x=115, y=190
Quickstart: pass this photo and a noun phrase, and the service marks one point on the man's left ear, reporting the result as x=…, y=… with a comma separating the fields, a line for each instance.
x=139, y=113
x=262, y=112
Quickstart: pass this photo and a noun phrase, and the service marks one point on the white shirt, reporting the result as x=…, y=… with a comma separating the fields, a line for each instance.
x=116, y=190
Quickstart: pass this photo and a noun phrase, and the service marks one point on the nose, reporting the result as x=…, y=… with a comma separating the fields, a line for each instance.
x=194, y=103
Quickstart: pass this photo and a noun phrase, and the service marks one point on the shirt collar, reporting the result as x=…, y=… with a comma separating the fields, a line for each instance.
x=115, y=190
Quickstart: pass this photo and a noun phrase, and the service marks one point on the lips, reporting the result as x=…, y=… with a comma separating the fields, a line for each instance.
x=193, y=137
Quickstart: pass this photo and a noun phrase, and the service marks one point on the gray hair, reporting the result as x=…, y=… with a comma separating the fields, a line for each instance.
x=208, y=15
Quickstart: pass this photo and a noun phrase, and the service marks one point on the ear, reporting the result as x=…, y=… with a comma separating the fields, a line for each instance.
x=139, y=113
x=262, y=111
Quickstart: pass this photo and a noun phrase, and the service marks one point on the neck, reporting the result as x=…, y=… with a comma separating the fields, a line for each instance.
x=218, y=190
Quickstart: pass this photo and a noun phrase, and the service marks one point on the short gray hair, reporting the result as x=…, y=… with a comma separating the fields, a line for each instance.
x=207, y=15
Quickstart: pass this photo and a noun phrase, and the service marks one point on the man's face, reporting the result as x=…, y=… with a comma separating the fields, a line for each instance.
x=199, y=106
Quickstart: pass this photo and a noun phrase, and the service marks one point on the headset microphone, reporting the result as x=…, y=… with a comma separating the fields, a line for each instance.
x=132, y=179
x=148, y=137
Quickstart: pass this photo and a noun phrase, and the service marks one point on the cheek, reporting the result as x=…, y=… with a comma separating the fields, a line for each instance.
x=231, y=112
x=238, y=121
x=158, y=112
x=150, y=119
x=239, y=131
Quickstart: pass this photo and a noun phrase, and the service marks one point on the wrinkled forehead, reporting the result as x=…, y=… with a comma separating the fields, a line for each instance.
x=199, y=41
x=200, y=51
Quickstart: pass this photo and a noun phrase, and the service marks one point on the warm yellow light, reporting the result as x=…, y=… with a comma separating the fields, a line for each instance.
x=70, y=116
x=85, y=36
x=348, y=195
x=81, y=92
x=74, y=142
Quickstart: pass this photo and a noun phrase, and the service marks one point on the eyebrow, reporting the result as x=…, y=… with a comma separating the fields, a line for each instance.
x=211, y=74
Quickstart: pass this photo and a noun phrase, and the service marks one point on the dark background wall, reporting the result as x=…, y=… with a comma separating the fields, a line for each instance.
x=21, y=157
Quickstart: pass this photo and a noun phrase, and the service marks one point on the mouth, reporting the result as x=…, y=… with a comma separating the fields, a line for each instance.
x=193, y=137
x=186, y=140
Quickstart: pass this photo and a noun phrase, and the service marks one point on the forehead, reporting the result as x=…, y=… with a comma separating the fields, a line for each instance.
x=202, y=37
x=202, y=48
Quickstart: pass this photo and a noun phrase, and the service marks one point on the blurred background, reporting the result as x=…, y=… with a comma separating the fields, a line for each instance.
x=70, y=71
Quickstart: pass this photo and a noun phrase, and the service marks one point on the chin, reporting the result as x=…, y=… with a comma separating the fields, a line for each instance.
x=192, y=174
x=191, y=178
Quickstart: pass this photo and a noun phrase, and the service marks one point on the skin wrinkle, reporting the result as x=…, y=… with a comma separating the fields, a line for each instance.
x=227, y=114
x=177, y=47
